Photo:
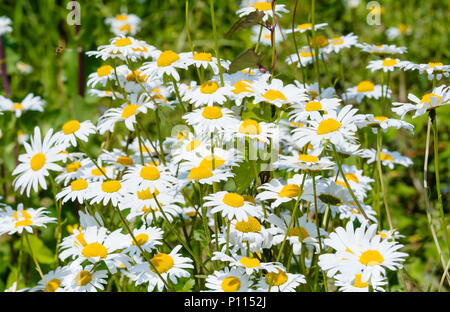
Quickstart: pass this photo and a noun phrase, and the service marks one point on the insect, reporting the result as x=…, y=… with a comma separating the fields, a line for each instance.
x=59, y=50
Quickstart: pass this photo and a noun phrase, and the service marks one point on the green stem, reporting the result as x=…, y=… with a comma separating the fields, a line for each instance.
x=380, y=174
x=216, y=45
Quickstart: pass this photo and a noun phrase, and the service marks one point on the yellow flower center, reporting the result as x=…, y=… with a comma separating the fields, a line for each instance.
x=125, y=160
x=427, y=98
x=276, y=279
x=208, y=162
x=241, y=86
x=83, y=278
x=352, y=177
x=126, y=28
x=365, y=86
x=136, y=74
x=141, y=239
x=146, y=209
x=193, y=145
x=389, y=62
x=358, y=283
x=52, y=285
x=121, y=17
x=146, y=194
x=212, y=112
x=233, y=200
x=383, y=235
x=303, y=53
x=104, y=70
x=122, y=42
x=327, y=126
x=273, y=95
x=304, y=26
x=290, y=190
x=95, y=250
x=72, y=167
x=251, y=226
x=150, y=173
x=111, y=186
x=313, y=106
x=263, y=6
x=387, y=157
x=295, y=231
x=96, y=172
x=371, y=258
x=380, y=118
x=129, y=110
x=37, y=161
x=308, y=158
x=402, y=28
x=162, y=262
x=209, y=87
x=166, y=58
x=321, y=41
x=203, y=56
x=249, y=199
x=201, y=172
x=250, y=127
x=78, y=185
x=231, y=284
x=249, y=262
x=433, y=64
x=71, y=127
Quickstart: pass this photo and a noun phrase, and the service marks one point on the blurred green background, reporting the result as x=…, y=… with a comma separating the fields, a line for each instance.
x=42, y=38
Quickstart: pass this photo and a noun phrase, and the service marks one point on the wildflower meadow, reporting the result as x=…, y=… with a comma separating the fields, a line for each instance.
x=224, y=146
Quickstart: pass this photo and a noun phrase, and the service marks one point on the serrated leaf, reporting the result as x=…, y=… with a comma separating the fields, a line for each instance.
x=248, y=59
x=245, y=22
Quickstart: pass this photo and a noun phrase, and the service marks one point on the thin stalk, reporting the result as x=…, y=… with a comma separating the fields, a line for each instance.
x=380, y=174
x=216, y=45
x=36, y=263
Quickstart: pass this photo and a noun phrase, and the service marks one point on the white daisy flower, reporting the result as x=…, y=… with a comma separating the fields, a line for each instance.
x=311, y=110
x=367, y=89
x=384, y=123
x=266, y=36
x=122, y=47
x=143, y=177
x=106, y=191
x=53, y=281
x=276, y=93
x=29, y=103
x=229, y=280
x=103, y=74
x=210, y=119
x=35, y=164
x=208, y=93
x=203, y=60
x=336, y=44
x=383, y=49
x=387, y=64
x=387, y=158
x=281, y=281
x=126, y=113
x=231, y=205
x=73, y=130
x=85, y=279
x=165, y=63
x=249, y=264
x=262, y=132
x=147, y=238
x=265, y=7
x=281, y=193
x=355, y=283
x=301, y=28
x=5, y=25
x=16, y=221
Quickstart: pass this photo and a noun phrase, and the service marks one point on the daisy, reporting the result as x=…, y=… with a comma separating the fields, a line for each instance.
x=433, y=69
x=165, y=63
x=96, y=244
x=127, y=113
x=313, y=92
x=359, y=183
x=210, y=119
x=334, y=195
x=91, y=172
x=147, y=238
x=281, y=193
x=53, y=280
x=301, y=28
x=229, y=280
x=242, y=84
x=203, y=60
x=260, y=131
x=440, y=96
x=73, y=130
x=248, y=234
x=276, y=93
x=124, y=24
x=170, y=266
x=29, y=103
x=384, y=123
x=338, y=43
x=208, y=93
x=282, y=281
x=121, y=47
x=311, y=109
x=394, y=32
x=303, y=232
x=77, y=191
x=355, y=283
x=5, y=25
x=103, y=74
x=120, y=159
x=266, y=36
x=24, y=68
x=383, y=49
x=143, y=177
x=336, y=127
x=105, y=192
x=304, y=57
x=249, y=264
x=265, y=7
x=387, y=158
x=85, y=279
x=387, y=65
x=35, y=164
x=73, y=171
x=231, y=205
x=352, y=212
x=204, y=174
x=367, y=89
x=299, y=161
x=15, y=221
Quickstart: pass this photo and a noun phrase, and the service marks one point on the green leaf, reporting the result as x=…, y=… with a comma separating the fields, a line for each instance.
x=243, y=176
x=42, y=253
x=245, y=22
x=188, y=285
x=248, y=59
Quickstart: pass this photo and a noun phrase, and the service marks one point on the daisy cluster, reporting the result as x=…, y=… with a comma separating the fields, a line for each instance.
x=208, y=203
